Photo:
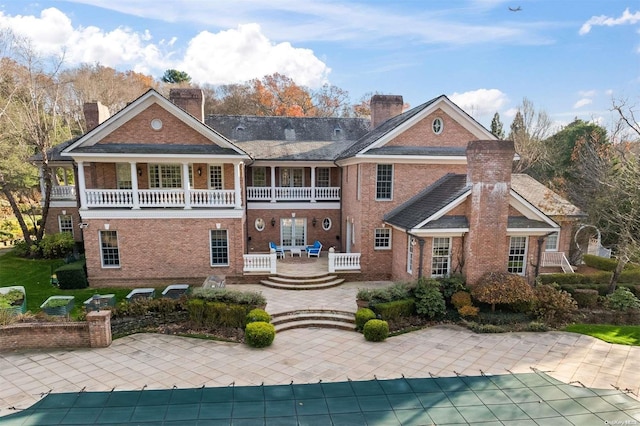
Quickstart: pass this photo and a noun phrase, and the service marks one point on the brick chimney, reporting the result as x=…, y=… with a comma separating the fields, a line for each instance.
x=95, y=114
x=489, y=165
x=384, y=107
x=190, y=100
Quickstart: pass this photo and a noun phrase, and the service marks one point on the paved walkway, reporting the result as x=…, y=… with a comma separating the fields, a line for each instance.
x=309, y=355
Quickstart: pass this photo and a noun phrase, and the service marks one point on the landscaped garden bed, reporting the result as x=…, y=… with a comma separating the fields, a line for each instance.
x=58, y=305
x=13, y=300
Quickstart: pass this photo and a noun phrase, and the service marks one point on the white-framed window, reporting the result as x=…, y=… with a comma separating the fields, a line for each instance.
x=293, y=232
x=123, y=176
x=323, y=177
x=109, y=250
x=219, y=247
x=437, y=126
x=165, y=176
x=384, y=181
x=551, y=243
x=215, y=177
x=326, y=223
x=259, y=176
x=517, y=255
x=411, y=242
x=259, y=224
x=292, y=177
x=65, y=223
x=382, y=239
x=441, y=257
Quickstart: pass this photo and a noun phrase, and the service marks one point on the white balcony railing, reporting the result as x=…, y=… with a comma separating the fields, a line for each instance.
x=119, y=198
x=344, y=261
x=555, y=259
x=288, y=193
x=63, y=192
x=260, y=263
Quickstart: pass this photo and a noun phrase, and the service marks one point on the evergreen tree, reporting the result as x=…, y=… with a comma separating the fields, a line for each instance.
x=497, y=127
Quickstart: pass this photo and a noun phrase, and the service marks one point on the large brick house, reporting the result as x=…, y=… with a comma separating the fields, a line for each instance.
x=159, y=194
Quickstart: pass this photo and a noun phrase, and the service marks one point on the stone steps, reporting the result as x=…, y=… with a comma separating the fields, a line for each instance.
x=316, y=282
x=318, y=318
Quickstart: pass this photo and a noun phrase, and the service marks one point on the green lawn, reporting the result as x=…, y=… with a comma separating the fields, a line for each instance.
x=619, y=334
x=34, y=275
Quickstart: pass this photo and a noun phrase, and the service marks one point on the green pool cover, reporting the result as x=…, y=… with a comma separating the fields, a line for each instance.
x=513, y=399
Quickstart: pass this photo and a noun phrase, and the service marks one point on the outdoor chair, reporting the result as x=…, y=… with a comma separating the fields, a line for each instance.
x=279, y=250
x=315, y=249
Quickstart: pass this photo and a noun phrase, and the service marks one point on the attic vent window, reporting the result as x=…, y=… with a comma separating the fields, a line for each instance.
x=437, y=126
x=156, y=124
x=337, y=131
x=239, y=128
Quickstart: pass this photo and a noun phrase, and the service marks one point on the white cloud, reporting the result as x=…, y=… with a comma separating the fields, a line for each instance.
x=241, y=54
x=587, y=93
x=480, y=103
x=582, y=102
x=627, y=18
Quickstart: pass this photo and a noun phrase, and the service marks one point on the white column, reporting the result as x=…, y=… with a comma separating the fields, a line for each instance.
x=134, y=185
x=41, y=174
x=313, y=184
x=82, y=186
x=236, y=185
x=273, y=184
x=186, y=185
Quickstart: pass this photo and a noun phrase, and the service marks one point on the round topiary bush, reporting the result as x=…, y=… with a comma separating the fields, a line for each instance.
x=256, y=315
x=497, y=288
x=259, y=334
x=376, y=330
x=362, y=316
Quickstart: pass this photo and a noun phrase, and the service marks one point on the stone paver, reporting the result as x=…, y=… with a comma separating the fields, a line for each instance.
x=308, y=355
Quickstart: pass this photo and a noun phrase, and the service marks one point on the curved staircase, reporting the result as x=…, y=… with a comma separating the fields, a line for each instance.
x=312, y=282
x=322, y=318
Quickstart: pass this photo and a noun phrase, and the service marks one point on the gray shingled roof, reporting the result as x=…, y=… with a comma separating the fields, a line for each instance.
x=521, y=222
x=432, y=199
x=419, y=150
x=448, y=222
x=133, y=148
x=54, y=153
x=547, y=201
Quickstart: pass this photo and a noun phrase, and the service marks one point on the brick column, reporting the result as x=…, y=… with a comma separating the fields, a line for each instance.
x=99, y=328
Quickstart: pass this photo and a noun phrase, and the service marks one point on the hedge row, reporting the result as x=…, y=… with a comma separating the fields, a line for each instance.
x=628, y=276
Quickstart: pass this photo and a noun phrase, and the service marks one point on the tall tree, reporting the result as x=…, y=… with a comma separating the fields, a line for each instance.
x=173, y=76
x=528, y=130
x=496, y=126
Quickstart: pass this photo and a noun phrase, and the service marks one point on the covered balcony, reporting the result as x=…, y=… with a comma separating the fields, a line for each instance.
x=294, y=184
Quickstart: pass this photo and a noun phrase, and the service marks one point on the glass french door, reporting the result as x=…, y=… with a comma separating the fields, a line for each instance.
x=292, y=177
x=293, y=232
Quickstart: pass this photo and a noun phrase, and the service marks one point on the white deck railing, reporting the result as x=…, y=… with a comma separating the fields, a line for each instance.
x=556, y=258
x=344, y=261
x=103, y=198
x=63, y=192
x=288, y=193
x=260, y=263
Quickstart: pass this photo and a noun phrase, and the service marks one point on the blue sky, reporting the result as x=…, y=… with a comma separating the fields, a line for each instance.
x=570, y=58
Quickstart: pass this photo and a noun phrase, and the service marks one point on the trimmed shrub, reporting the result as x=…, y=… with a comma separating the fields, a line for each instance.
x=55, y=246
x=251, y=298
x=376, y=330
x=429, y=299
x=536, y=326
x=225, y=314
x=397, y=291
x=553, y=306
x=468, y=311
x=362, y=316
x=256, y=315
x=602, y=263
x=484, y=328
x=259, y=334
x=195, y=307
x=451, y=285
x=622, y=300
x=630, y=276
x=585, y=297
x=391, y=311
x=502, y=288
x=460, y=299
x=72, y=276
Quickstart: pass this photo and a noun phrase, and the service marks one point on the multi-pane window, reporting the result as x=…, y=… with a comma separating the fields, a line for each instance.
x=552, y=242
x=165, y=176
x=110, y=254
x=259, y=175
x=441, y=257
x=411, y=242
x=323, y=177
x=123, y=175
x=517, y=255
x=382, y=238
x=291, y=177
x=65, y=222
x=219, y=247
x=215, y=177
x=384, y=182
x=293, y=232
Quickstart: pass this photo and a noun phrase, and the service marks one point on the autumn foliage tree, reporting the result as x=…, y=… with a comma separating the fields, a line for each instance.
x=502, y=288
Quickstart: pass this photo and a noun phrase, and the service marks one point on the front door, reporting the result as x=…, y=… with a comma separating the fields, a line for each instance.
x=293, y=232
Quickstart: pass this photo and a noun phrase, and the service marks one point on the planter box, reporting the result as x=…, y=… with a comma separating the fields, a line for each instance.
x=174, y=291
x=58, y=310
x=141, y=293
x=105, y=301
x=17, y=309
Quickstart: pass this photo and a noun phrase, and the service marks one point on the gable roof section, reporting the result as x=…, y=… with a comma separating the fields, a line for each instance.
x=547, y=201
x=378, y=137
x=87, y=144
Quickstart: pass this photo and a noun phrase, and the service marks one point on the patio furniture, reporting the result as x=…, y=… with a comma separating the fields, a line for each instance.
x=295, y=251
x=174, y=291
x=141, y=293
x=315, y=249
x=279, y=250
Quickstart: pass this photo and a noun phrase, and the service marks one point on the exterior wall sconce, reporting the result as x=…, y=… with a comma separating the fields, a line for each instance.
x=273, y=221
x=139, y=171
x=199, y=171
x=314, y=221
